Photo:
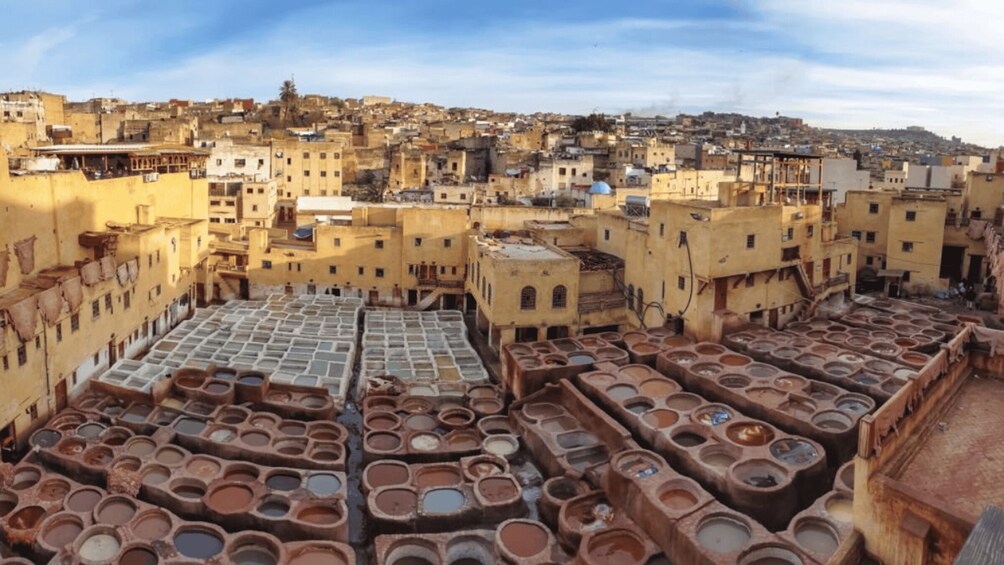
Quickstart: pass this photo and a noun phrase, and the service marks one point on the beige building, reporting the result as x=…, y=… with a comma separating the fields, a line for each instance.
x=90, y=272
x=307, y=168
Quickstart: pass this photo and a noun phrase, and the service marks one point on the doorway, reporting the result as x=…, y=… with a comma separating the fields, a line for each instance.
x=61, y=396
x=526, y=334
x=975, y=269
x=951, y=262
x=374, y=297
x=412, y=297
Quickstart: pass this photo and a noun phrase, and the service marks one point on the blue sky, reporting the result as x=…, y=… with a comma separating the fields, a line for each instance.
x=853, y=63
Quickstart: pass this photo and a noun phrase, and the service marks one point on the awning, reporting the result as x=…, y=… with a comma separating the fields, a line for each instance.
x=892, y=273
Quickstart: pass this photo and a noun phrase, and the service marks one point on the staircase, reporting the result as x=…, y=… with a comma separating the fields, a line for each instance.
x=429, y=300
x=804, y=284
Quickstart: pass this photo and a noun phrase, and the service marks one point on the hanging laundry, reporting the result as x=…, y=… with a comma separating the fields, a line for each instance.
x=91, y=273
x=25, y=251
x=50, y=304
x=73, y=293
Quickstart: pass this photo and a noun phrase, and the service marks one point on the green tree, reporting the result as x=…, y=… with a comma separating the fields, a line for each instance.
x=592, y=122
x=289, y=98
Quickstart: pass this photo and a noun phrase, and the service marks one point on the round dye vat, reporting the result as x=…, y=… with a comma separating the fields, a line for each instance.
x=198, y=544
x=713, y=415
x=254, y=555
x=581, y=358
x=501, y=446
x=25, y=478
x=216, y=388
x=8, y=502
x=313, y=401
x=139, y=556
x=817, y=536
x=225, y=375
x=658, y=387
x=99, y=547
x=324, y=432
x=222, y=435
x=83, y=499
x=318, y=554
x=616, y=546
x=794, y=451
x=233, y=416
x=820, y=391
x=766, y=395
x=681, y=358
x=523, y=539
x=255, y=439
x=45, y=438
x=320, y=515
x=749, y=433
x=676, y=498
x=27, y=518
x=841, y=508
x=683, y=402
x=706, y=369
x=798, y=407
x=231, y=497
x=723, y=534
x=425, y=442
x=771, y=555
x=151, y=525
x=383, y=474
x=420, y=422
x=140, y=447
x=383, y=441
x=251, y=380
x=189, y=426
x=853, y=405
x=91, y=430
x=760, y=473
x=186, y=488
x=52, y=489
x=660, y=418
x=397, y=502
x=832, y=420
x=283, y=482
x=760, y=371
x=688, y=439
x=717, y=457
x=203, y=467
x=323, y=484
x=292, y=428
x=274, y=507
x=498, y=489
x=478, y=469
x=61, y=530
x=116, y=511
x=789, y=382
x=169, y=456
x=290, y=446
x=438, y=476
x=155, y=475
x=639, y=405
x=98, y=456
x=457, y=417
x=734, y=381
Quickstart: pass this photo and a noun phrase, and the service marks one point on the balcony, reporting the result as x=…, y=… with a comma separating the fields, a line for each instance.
x=790, y=254
x=598, y=301
x=439, y=283
x=231, y=270
x=838, y=279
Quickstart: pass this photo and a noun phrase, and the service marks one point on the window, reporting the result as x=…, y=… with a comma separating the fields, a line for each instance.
x=95, y=309
x=562, y=171
x=149, y=260
x=338, y=242
x=683, y=237
x=811, y=230
x=266, y=264
x=447, y=242
x=606, y=235
x=442, y=270
x=911, y=216
x=442, y=196
x=108, y=302
x=559, y=297
x=489, y=294
x=324, y=174
x=74, y=322
x=126, y=300
x=856, y=234
x=22, y=355
x=33, y=411
x=750, y=241
x=870, y=237
x=379, y=273
x=869, y=260
x=306, y=155
x=306, y=173
x=336, y=155
x=362, y=270
x=463, y=196
x=528, y=298
x=250, y=191
x=750, y=280
x=681, y=283
x=873, y=207
x=6, y=363
x=158, y=290
x=324, y=155
x=38, y=342
x=662, y=230
x=975, y=214
x=907, y=247
x=158, y=255
x=240, y=162
x=59, y=331
x=418, y=242
x=332, y=270
x=379, y=244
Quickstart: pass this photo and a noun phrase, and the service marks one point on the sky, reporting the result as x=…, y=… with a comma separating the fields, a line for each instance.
x=847, y=64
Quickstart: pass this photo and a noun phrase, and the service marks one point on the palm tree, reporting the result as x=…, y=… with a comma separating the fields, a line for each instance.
x=288, y=97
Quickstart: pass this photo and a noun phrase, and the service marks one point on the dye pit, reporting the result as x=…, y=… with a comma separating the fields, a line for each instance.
x=634, y=448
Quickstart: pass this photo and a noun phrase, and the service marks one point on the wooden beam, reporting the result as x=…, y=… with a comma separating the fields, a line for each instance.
x=739, y=279
x=770, y=275
x=703, y=285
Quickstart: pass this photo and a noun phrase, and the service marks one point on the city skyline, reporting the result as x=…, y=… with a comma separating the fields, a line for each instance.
x=854, y=65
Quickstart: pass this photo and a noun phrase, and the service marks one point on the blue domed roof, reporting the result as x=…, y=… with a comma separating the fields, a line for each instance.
x=600, y=187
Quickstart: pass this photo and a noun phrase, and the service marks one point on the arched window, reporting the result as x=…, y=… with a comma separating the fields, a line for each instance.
x=559, y=297
x=630, y=296
x=528, y=298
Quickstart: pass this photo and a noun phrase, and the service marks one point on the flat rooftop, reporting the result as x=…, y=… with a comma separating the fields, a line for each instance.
x=959, y=462
x=519, y=248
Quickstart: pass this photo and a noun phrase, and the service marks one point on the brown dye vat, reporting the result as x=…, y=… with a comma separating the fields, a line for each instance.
x=187, y=488
x=382, y=421
x=71, y=446
x=203, y=467
x=523, y=539
x=734, y=381
x=91, y=430
x=140, y=447
x=718, y=457
x=437, y=477
x=189, y=426
x=52, y=489
x=616, y=547
x=326, y=452
x=415, y=405
x=683, y=402
x=241, y=473
x=61, y=530
x=658, y=387
x=749, y=434
x=98, y=456
x=169, y=456
x=319, y=515
x=688, y=439
x=127, y=463
x=290, y=446
x=324, y=432
x=254, y=554
x=27, y=518
x=265, y=420
x=234, y=497
x=420, y=422
x=676, y=498
x=139, y=556
x=397, y=502
x=766, y=396
x=115, y=437
x=116, y=510
x=386, y=474
x=383, y=441
x=190, y=381
x=317, y=555
x=541, y=410
x=456, y=417
x=771, y=555
x=255, y=438
x=233, y=416
x=216, y=388
x=487, y=405
x=498, y=489
x=83, y=499
x=483, y=468
x=151, y=525
x=660, y=418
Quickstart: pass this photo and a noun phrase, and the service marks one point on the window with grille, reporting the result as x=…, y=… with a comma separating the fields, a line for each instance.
x=559, y=297
x=528, y=298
